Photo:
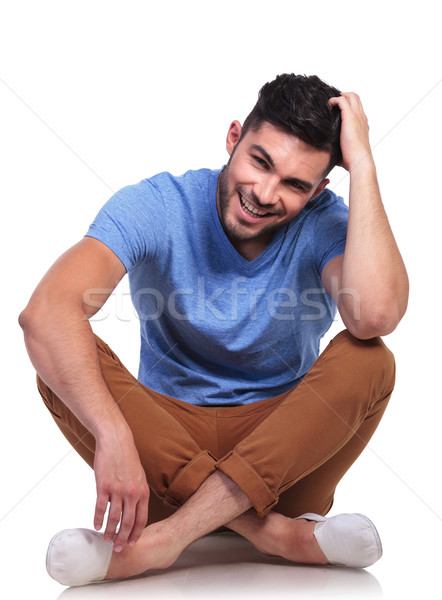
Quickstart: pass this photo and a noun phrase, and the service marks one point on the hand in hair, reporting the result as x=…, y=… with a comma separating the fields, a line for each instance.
x=355, y=143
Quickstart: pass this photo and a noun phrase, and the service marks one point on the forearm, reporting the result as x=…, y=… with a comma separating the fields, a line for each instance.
x=373, y=271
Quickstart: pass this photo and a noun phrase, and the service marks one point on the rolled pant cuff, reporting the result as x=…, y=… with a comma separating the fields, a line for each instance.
x=252, y=484
x=190, y=478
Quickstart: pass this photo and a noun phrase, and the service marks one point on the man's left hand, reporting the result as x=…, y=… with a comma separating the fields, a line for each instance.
x=355, y=143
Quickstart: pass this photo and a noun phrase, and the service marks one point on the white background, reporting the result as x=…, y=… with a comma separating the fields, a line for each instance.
x=98, y=94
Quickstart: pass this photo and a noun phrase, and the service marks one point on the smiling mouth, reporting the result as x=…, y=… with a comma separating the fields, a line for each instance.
x=251, y=210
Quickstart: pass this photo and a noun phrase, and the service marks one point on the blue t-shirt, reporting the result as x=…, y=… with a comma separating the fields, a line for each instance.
x=218, y=329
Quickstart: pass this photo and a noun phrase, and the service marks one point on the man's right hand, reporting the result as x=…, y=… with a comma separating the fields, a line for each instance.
x=121, y=482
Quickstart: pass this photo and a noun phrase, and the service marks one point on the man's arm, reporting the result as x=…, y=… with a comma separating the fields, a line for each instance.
x=62, y=348
x=369, y=281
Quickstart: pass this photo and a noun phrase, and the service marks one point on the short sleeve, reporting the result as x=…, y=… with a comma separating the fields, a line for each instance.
x=132, y=223
x=330, y=231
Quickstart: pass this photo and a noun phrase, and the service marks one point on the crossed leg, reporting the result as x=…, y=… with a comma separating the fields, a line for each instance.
x=291, y=461
x=217, y=502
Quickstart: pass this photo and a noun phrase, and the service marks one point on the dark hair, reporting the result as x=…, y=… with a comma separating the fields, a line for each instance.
x=299, y=104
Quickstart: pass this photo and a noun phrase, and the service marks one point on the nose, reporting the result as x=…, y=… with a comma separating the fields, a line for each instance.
x=266, y=191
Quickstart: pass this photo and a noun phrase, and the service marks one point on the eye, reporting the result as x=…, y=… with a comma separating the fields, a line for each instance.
x=298, y=187
x=261, y=162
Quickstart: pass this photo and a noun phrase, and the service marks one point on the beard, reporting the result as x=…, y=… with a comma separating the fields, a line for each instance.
x=233, y=229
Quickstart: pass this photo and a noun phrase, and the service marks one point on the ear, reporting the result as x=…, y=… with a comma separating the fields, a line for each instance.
x=320, y=187
x=233, y=136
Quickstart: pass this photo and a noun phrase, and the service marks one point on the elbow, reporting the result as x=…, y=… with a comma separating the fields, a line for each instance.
x=34, y=317
x=368, y=330
x=42, y=316
x=376, y=317
x=375, y=325
x=28, y=319
x=24, y=318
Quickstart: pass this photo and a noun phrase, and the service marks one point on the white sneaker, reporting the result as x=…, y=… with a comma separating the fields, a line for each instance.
x=349, y=540
x=78, y=557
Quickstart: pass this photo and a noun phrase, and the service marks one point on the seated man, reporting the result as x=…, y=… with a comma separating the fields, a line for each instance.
x=235, y=274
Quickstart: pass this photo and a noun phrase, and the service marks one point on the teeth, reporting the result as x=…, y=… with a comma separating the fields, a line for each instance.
x=251, y=208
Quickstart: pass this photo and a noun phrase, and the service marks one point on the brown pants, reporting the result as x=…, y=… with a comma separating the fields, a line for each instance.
x=287, y=453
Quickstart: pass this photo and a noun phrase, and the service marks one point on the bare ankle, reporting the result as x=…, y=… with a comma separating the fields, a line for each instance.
x=301, y=545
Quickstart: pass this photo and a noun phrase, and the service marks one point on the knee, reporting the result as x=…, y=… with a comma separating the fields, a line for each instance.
x=376, y=359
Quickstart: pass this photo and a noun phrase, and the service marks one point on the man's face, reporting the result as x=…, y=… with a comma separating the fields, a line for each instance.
x=270, y=177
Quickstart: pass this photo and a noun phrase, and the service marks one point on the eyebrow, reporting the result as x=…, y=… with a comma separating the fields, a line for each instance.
x=290, y=180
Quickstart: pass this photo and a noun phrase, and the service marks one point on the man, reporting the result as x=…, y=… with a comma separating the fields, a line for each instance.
x=235, y=275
